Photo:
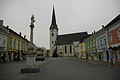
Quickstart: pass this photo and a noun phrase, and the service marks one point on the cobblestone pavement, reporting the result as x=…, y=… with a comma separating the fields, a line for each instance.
x=61, y=69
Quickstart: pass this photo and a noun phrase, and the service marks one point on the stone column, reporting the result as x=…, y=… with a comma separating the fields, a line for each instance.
x=31, y=34
x=32, y=26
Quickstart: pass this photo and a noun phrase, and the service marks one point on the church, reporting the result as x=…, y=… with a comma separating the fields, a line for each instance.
x=66, y=44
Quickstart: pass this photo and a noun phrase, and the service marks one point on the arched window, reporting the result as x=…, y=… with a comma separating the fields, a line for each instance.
x=52, y=42
x=70, y=49
x=65, y=49
x=52, y=34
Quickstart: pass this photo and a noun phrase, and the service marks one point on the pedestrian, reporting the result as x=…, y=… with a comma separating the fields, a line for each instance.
x=0, y=58
x=86, y=57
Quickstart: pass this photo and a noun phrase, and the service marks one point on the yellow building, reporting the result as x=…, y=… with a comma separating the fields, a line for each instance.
x=82, y=50
x=17, y=46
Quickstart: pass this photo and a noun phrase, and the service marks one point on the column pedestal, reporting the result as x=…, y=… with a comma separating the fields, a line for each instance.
x=30, y=66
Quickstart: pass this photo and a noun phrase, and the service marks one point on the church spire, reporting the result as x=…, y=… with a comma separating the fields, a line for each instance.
x=53, y=23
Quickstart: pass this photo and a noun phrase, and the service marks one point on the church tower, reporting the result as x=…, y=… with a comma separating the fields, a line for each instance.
x=53, y=32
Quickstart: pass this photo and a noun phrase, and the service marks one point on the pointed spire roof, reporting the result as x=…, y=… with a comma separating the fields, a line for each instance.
x=53, y=23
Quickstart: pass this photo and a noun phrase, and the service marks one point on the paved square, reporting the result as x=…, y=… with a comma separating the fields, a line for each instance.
x=61, y=69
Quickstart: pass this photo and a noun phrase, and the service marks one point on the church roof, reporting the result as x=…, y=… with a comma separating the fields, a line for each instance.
x=53, y=23
x=70, y=38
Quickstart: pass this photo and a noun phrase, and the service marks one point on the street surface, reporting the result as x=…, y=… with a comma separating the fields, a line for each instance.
x=64, y=68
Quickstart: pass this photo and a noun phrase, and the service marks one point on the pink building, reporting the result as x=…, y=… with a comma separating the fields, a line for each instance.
x=113, y=34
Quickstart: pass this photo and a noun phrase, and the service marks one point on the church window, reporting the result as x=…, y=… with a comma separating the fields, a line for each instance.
x=65, y=49
x=70, y=49
x=52, y=42
x=52, y=34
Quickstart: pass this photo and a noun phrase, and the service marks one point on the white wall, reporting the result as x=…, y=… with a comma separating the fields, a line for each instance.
x=76, y=48
x=53, y=39
x=61, y=49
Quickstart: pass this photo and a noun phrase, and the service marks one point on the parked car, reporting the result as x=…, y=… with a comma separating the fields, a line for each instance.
x=40, y=58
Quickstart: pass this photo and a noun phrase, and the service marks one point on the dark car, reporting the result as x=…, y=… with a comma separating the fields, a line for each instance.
x=40, y=58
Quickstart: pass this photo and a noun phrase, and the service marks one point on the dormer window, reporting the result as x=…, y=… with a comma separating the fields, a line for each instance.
x=118, y=32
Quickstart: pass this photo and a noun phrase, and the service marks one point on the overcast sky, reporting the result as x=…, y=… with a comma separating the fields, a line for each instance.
x=72, y=16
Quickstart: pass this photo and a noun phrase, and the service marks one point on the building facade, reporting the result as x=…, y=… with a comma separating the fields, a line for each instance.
x=3, y=40
x=90, y=47
x=69, y=44
x=53, y=30
x=82, y=50
x=101, y=45
x=17, y=46
x=113, y=35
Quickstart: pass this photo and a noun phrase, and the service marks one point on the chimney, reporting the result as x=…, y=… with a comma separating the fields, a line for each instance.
x=1, y=22
x=102, y=26
x=7, y=27
x=20, y=34
x=25, y=36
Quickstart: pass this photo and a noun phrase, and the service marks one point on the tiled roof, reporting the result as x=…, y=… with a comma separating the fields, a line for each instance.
x=12, y=31
x=70, y=38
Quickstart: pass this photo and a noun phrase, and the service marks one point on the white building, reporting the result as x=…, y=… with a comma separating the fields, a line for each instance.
x=64, y=45
x=69, y=44
x=53, y=32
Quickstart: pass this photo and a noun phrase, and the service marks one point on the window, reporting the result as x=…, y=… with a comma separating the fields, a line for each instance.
x=109, y=38
x=81, y=47
x=18, y=44
x=94, y=42
x=118, y=54
x=118, y=32
x=22, y=45
x=4, y=42
x=101, y=42
x=70, y=49
x=105, y=41
x=65, y=49
x=0, y=41
x=14, y=43
x=91, y=43
x=52, y=42
x=10, y=44
x=88, y=45
x=52, y=34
